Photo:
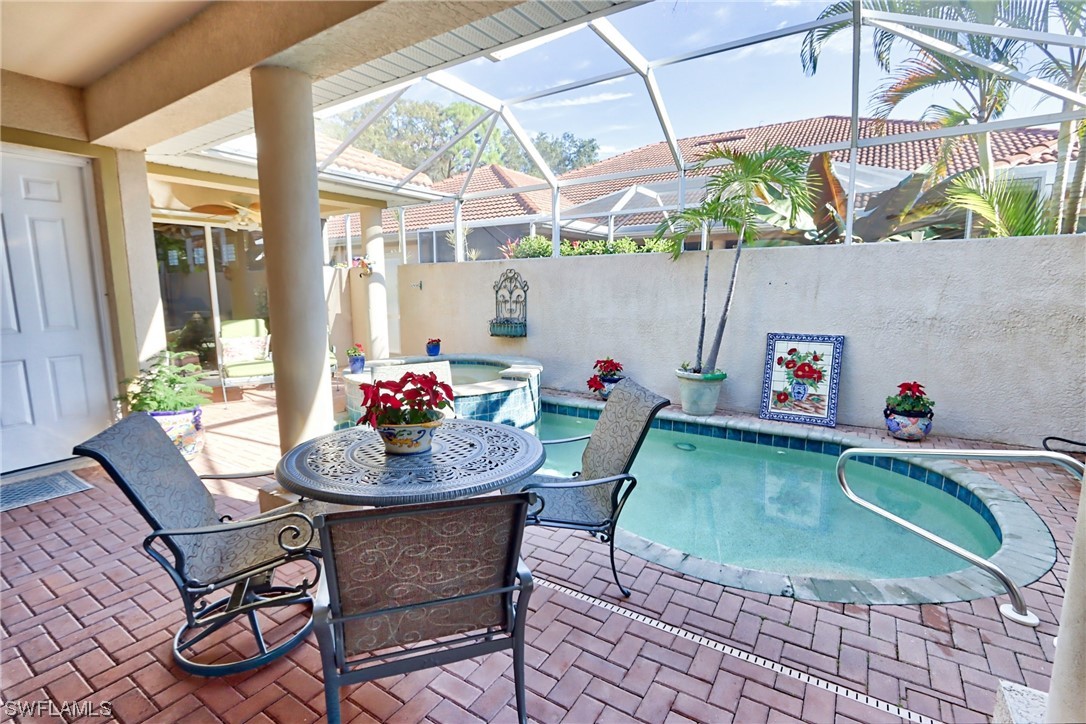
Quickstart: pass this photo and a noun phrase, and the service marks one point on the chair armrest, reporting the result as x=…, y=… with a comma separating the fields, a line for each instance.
x=578, y=483
x=300, y=520
x=561, y=440
x=233, y=476
x=524, y=575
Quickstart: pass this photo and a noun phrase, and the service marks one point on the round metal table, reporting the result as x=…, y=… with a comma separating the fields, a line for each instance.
x=469, y=457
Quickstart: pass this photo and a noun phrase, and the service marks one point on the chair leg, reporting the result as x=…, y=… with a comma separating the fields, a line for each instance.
x=331, y=703
x=614, y=569
x=518, y=678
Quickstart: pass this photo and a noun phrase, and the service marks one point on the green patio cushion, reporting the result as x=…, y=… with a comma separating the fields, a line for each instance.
x=255, y=368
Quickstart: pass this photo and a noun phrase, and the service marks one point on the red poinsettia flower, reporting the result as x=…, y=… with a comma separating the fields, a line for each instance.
x=594, y=383
x=608, y=367
x=411, y=400
x=913, y=388
x=790, y=364
x=782, y=397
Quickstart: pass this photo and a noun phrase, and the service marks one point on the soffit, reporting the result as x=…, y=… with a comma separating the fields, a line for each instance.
x=76, y=43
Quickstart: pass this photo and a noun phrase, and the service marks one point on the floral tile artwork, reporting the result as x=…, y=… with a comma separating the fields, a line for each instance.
x=802, y=374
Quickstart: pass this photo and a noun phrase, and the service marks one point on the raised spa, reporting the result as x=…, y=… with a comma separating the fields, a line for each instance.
x=763, y=511
x=494, y=388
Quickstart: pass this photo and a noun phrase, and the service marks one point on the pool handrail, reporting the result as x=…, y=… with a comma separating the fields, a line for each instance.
x=1017, y=610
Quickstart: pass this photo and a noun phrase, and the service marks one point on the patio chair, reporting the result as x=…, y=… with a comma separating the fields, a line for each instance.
x=400, y=577
x=593, y=498
x=207, y=555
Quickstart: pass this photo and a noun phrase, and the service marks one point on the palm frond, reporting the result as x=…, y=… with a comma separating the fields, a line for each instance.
x=1008, y=207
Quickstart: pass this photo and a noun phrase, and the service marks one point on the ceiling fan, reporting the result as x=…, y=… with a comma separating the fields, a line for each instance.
x=242, y=217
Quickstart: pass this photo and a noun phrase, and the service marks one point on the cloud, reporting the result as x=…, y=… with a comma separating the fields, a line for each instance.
x=578, y=101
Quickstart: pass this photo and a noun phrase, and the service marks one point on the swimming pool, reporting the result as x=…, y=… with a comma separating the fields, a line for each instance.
x=771, y=517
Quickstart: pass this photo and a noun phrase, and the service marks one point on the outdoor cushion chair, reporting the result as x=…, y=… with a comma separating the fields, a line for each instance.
x=409, y=587
x=247, y=354
x=593, y=498
x=223, y=569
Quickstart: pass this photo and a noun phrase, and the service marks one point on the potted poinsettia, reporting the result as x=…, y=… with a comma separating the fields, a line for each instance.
x=750, y=187
x=433, y=346
x=608, y=374
x=407, y=411
x=909, y=413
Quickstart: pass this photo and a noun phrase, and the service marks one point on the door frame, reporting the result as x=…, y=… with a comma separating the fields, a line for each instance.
x=99, y=284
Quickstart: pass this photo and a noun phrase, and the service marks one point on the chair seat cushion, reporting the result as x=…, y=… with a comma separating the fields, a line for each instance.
x=588, y=505
x=255, y=368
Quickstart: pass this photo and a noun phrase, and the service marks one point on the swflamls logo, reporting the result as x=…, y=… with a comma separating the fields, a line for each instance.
x=66, y=709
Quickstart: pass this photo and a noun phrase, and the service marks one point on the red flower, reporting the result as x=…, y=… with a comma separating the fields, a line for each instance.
x=805, y=371
x=815, y=358
x=782, y=397
x=594, y=383
x=817, y=376
x=790, y=364
x=913, y=388
x=792, y=351
x=412, y=399
x=780, y=361
x=608, y=367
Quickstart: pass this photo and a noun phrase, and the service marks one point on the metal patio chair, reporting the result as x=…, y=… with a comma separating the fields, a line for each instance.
x=593, y=498
x=409, y=587
x=223, y=569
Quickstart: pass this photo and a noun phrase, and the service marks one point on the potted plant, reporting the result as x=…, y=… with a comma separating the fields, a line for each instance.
x=433, y=346
x=356, y=358
x=909, y=413
x=172, y=395
x=405, y=412
x=770, y=183
x=606, y=376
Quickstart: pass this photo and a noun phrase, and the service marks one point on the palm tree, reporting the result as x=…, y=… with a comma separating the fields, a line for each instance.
x=737, y=197
x=1008, y=207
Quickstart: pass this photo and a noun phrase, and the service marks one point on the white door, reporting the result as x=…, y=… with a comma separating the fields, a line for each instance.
x=53, y=381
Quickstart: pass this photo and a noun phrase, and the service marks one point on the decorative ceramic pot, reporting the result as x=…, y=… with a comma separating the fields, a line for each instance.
x=608, y=385
x=357, y=363
x=700, y=393
x=408, y=439
x=184, y=428
x=908, y=426
x=433, y=350
x=799, y=390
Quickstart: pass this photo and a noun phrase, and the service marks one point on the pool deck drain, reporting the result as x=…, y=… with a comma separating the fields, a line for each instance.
x=882, y=706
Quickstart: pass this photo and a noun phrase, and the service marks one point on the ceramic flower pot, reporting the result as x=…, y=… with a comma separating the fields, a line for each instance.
x=408, y=439
x=184, y=428
x=608, y=385
x=909, y=426
x=433, y=350
x=357, y=363
x=700, y=393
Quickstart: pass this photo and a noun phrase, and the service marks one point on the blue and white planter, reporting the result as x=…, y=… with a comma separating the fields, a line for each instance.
x=908, y=426
x=357, y=363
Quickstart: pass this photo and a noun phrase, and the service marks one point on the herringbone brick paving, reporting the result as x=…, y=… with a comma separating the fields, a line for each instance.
x=87, y=616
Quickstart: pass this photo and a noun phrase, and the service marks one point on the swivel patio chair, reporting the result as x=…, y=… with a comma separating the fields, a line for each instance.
x=410, y=587
x=593, y=498
x=223, y=569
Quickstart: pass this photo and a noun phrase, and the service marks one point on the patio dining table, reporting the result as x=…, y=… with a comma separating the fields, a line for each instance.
x=351, y=467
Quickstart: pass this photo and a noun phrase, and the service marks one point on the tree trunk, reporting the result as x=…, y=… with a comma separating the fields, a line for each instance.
x=714, y=351
x=1058, y=196
x=1078, y=186
x=984, y=154
x=704, y=297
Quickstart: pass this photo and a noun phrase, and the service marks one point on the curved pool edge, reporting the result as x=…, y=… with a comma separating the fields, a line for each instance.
x=1026, y=553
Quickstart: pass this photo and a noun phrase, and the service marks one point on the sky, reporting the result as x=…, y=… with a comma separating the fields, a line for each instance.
x=732, y=90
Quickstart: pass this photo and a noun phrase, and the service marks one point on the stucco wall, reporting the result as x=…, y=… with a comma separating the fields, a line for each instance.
x=994, y=329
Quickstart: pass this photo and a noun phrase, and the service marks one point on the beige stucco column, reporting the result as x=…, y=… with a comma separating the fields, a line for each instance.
x=377, y=287
x=1066, y=693
x=294, y=259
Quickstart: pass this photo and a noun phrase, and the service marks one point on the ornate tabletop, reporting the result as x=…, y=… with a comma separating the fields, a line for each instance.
x=469, y=457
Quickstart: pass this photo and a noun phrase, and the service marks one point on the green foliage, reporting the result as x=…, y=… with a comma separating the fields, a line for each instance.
x=1008, y=207
x=165, y=386
x=527, y=247
x=622, y=245
x=411, y=131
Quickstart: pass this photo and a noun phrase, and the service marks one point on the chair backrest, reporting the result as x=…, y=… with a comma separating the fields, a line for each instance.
x=411, y=573
x=150, y=471
x=620, y=430
x=233, y=328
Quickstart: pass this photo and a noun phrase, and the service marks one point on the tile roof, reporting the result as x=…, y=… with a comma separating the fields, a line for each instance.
x=1012, y=148
x=359, y=161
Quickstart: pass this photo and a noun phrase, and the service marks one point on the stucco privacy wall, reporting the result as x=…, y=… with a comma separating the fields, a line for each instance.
x=993, y=328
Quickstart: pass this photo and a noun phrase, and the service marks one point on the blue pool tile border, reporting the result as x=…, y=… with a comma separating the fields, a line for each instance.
x=1026, y=552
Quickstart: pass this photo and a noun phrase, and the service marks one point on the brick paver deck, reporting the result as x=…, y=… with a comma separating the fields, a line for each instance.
x=87, y=617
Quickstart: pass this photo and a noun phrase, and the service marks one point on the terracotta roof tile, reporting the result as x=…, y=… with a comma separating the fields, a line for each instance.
x=355, y=159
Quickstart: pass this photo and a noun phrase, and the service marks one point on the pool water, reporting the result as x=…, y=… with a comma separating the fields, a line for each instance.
x=771, y=509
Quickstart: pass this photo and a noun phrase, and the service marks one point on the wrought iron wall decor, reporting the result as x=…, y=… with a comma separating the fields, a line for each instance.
x=510, y=306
